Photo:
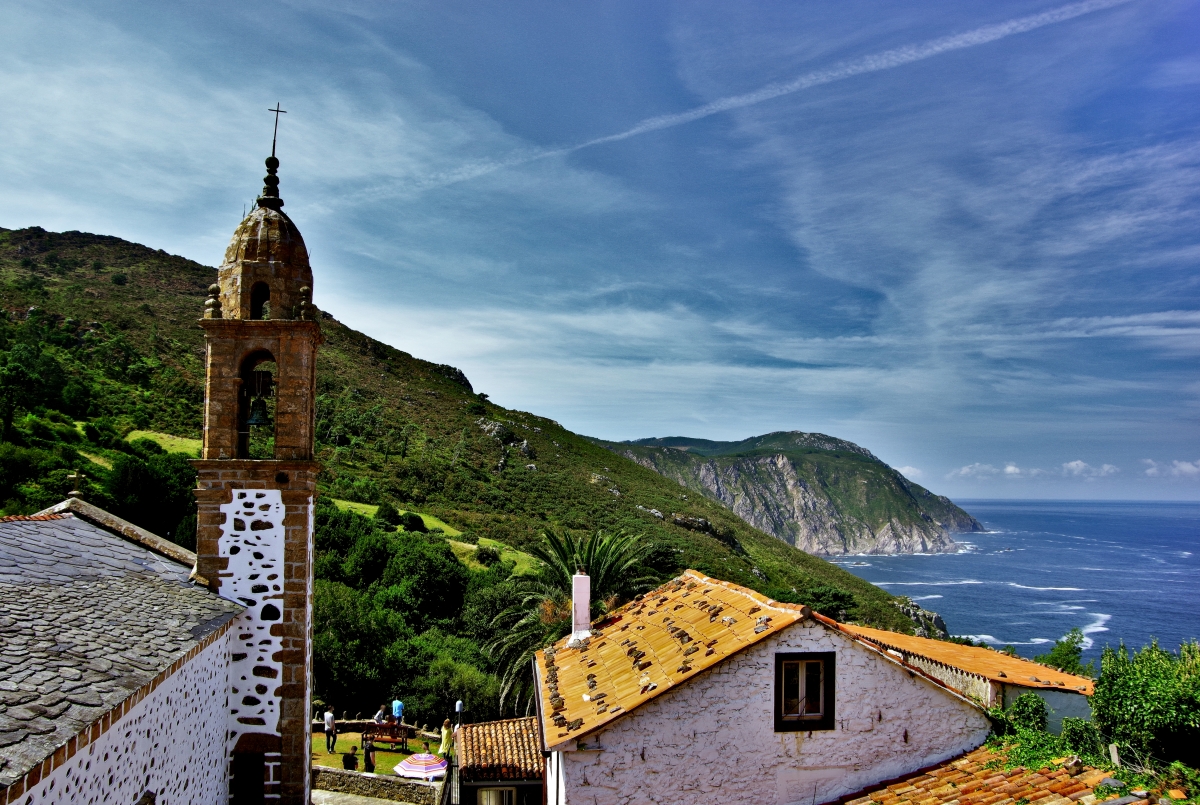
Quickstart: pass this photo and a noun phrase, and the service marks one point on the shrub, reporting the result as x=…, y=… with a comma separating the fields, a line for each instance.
x=119, y=279
x=1150, y=700
x=1028, y=712
x=487, y=555
x=1082, y=737
x=411, y=521
x=388, y=515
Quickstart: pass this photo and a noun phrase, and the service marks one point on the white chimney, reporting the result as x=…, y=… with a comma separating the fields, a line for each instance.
x=581, y=606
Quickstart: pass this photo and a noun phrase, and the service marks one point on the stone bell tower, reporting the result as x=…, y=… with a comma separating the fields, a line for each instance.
x=255, y=494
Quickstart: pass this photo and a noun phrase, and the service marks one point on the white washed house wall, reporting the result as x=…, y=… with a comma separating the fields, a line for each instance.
x=712, y=738
x=172, y=743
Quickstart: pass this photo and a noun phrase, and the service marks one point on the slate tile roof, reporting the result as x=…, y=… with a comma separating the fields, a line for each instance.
x=500, y=750
x=648, y=646
x=969, y=781
x=993, y=665
x=86, y=619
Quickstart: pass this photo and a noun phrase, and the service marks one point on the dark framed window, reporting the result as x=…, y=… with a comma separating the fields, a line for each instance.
x=804, y=691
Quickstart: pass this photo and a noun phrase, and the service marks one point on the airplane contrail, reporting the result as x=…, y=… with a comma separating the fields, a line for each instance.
x=884, y=60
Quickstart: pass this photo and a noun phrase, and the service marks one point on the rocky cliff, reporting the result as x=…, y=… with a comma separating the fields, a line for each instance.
x=820, y=494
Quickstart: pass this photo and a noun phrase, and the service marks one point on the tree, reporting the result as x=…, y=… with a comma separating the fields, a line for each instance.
x=542, y=612
x=14, y=393
x=1066, y=655
x=387, y=514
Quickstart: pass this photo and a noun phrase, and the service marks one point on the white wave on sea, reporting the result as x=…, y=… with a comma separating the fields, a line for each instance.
x=990, y=640
x=1095, y=627
x=1025, y=587
x=927, y=583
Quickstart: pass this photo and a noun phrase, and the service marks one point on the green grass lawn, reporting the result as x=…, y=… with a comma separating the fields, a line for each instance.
x=367, y=510
x=385, y=759
x=172, y=444
x=523, y=563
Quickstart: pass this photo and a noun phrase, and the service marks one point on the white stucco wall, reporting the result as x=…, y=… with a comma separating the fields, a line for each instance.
x=172, y=743
x=712, y=739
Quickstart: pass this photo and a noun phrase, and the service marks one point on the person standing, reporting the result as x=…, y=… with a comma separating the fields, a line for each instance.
x=330, y=731
x=368, y=756
x=398, y=710
x=447, y=740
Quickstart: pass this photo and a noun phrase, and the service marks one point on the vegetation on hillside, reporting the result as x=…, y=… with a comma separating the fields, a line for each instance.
x=849, y=498
x=98, y=339
x=1146, y=702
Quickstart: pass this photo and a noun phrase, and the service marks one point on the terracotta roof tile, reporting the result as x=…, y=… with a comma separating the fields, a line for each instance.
x=500, y=750
x=993, y=665
x=648, y=646
x=977, y=784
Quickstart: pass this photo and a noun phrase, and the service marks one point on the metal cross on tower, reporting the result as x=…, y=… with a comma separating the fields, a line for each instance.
x=275, y=134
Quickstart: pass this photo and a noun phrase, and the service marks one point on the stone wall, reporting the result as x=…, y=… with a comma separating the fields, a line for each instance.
x=382, y=786
x=286, y=737
x=712, y=739
x=171, y=743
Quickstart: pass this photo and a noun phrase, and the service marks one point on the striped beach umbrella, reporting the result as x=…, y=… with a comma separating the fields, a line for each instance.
x=422, y=766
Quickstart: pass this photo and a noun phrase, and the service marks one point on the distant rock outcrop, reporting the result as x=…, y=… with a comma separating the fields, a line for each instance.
x=823, y=495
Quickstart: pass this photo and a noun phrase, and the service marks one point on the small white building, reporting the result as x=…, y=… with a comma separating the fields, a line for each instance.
x=707, y=691
x=114, y=665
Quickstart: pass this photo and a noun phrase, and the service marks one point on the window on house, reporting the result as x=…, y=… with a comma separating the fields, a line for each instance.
x=497, y=796
x=804, y=689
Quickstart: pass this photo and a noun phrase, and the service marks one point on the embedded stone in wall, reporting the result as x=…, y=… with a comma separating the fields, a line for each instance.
x=252, y=540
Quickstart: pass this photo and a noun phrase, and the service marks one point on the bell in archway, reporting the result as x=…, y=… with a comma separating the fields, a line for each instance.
x=258, y=414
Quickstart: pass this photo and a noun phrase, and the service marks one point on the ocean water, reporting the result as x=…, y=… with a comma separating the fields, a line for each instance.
x=1120, y=571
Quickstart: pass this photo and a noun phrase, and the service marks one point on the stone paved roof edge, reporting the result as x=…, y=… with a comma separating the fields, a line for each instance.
x=912, y=669
x=879, y=637
x=110, y=522
x=101, y=724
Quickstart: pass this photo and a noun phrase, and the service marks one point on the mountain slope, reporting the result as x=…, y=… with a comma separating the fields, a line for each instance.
x=118, y=320
x=821, y=494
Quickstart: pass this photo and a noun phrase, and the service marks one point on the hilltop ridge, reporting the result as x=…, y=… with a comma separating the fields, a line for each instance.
x=822, y=494
x=119, y=320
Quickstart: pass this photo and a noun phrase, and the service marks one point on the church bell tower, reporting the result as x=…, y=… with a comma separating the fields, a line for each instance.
x=255, y=494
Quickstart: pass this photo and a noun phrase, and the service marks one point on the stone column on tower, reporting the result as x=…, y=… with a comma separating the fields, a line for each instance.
x=255, y=494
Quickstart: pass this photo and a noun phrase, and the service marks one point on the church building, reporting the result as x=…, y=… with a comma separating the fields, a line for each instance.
x=134, y=671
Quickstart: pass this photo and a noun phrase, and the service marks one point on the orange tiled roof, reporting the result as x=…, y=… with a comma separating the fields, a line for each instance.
x=500, y=750
x=968, y=781
x=984, y=662
x=648, y=646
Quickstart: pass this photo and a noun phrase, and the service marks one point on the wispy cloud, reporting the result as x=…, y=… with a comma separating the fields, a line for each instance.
x=872, y=63
x=911, y=473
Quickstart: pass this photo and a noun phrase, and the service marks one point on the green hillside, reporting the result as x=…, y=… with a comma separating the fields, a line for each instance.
x=99, y=340
x=816, y=492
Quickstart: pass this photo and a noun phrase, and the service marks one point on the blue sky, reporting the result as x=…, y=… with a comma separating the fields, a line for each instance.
x=963, y=234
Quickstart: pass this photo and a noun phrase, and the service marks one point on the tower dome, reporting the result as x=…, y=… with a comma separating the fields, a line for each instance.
x=266, y=265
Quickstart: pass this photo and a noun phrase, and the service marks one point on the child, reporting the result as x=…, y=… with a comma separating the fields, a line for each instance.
x=350, y=759
x=368, y=756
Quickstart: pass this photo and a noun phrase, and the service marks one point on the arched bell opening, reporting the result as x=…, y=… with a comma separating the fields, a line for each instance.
x=260, y=301
x=256, y=407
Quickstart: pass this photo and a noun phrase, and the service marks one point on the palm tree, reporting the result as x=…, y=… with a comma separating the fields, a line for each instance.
x=541, y=613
